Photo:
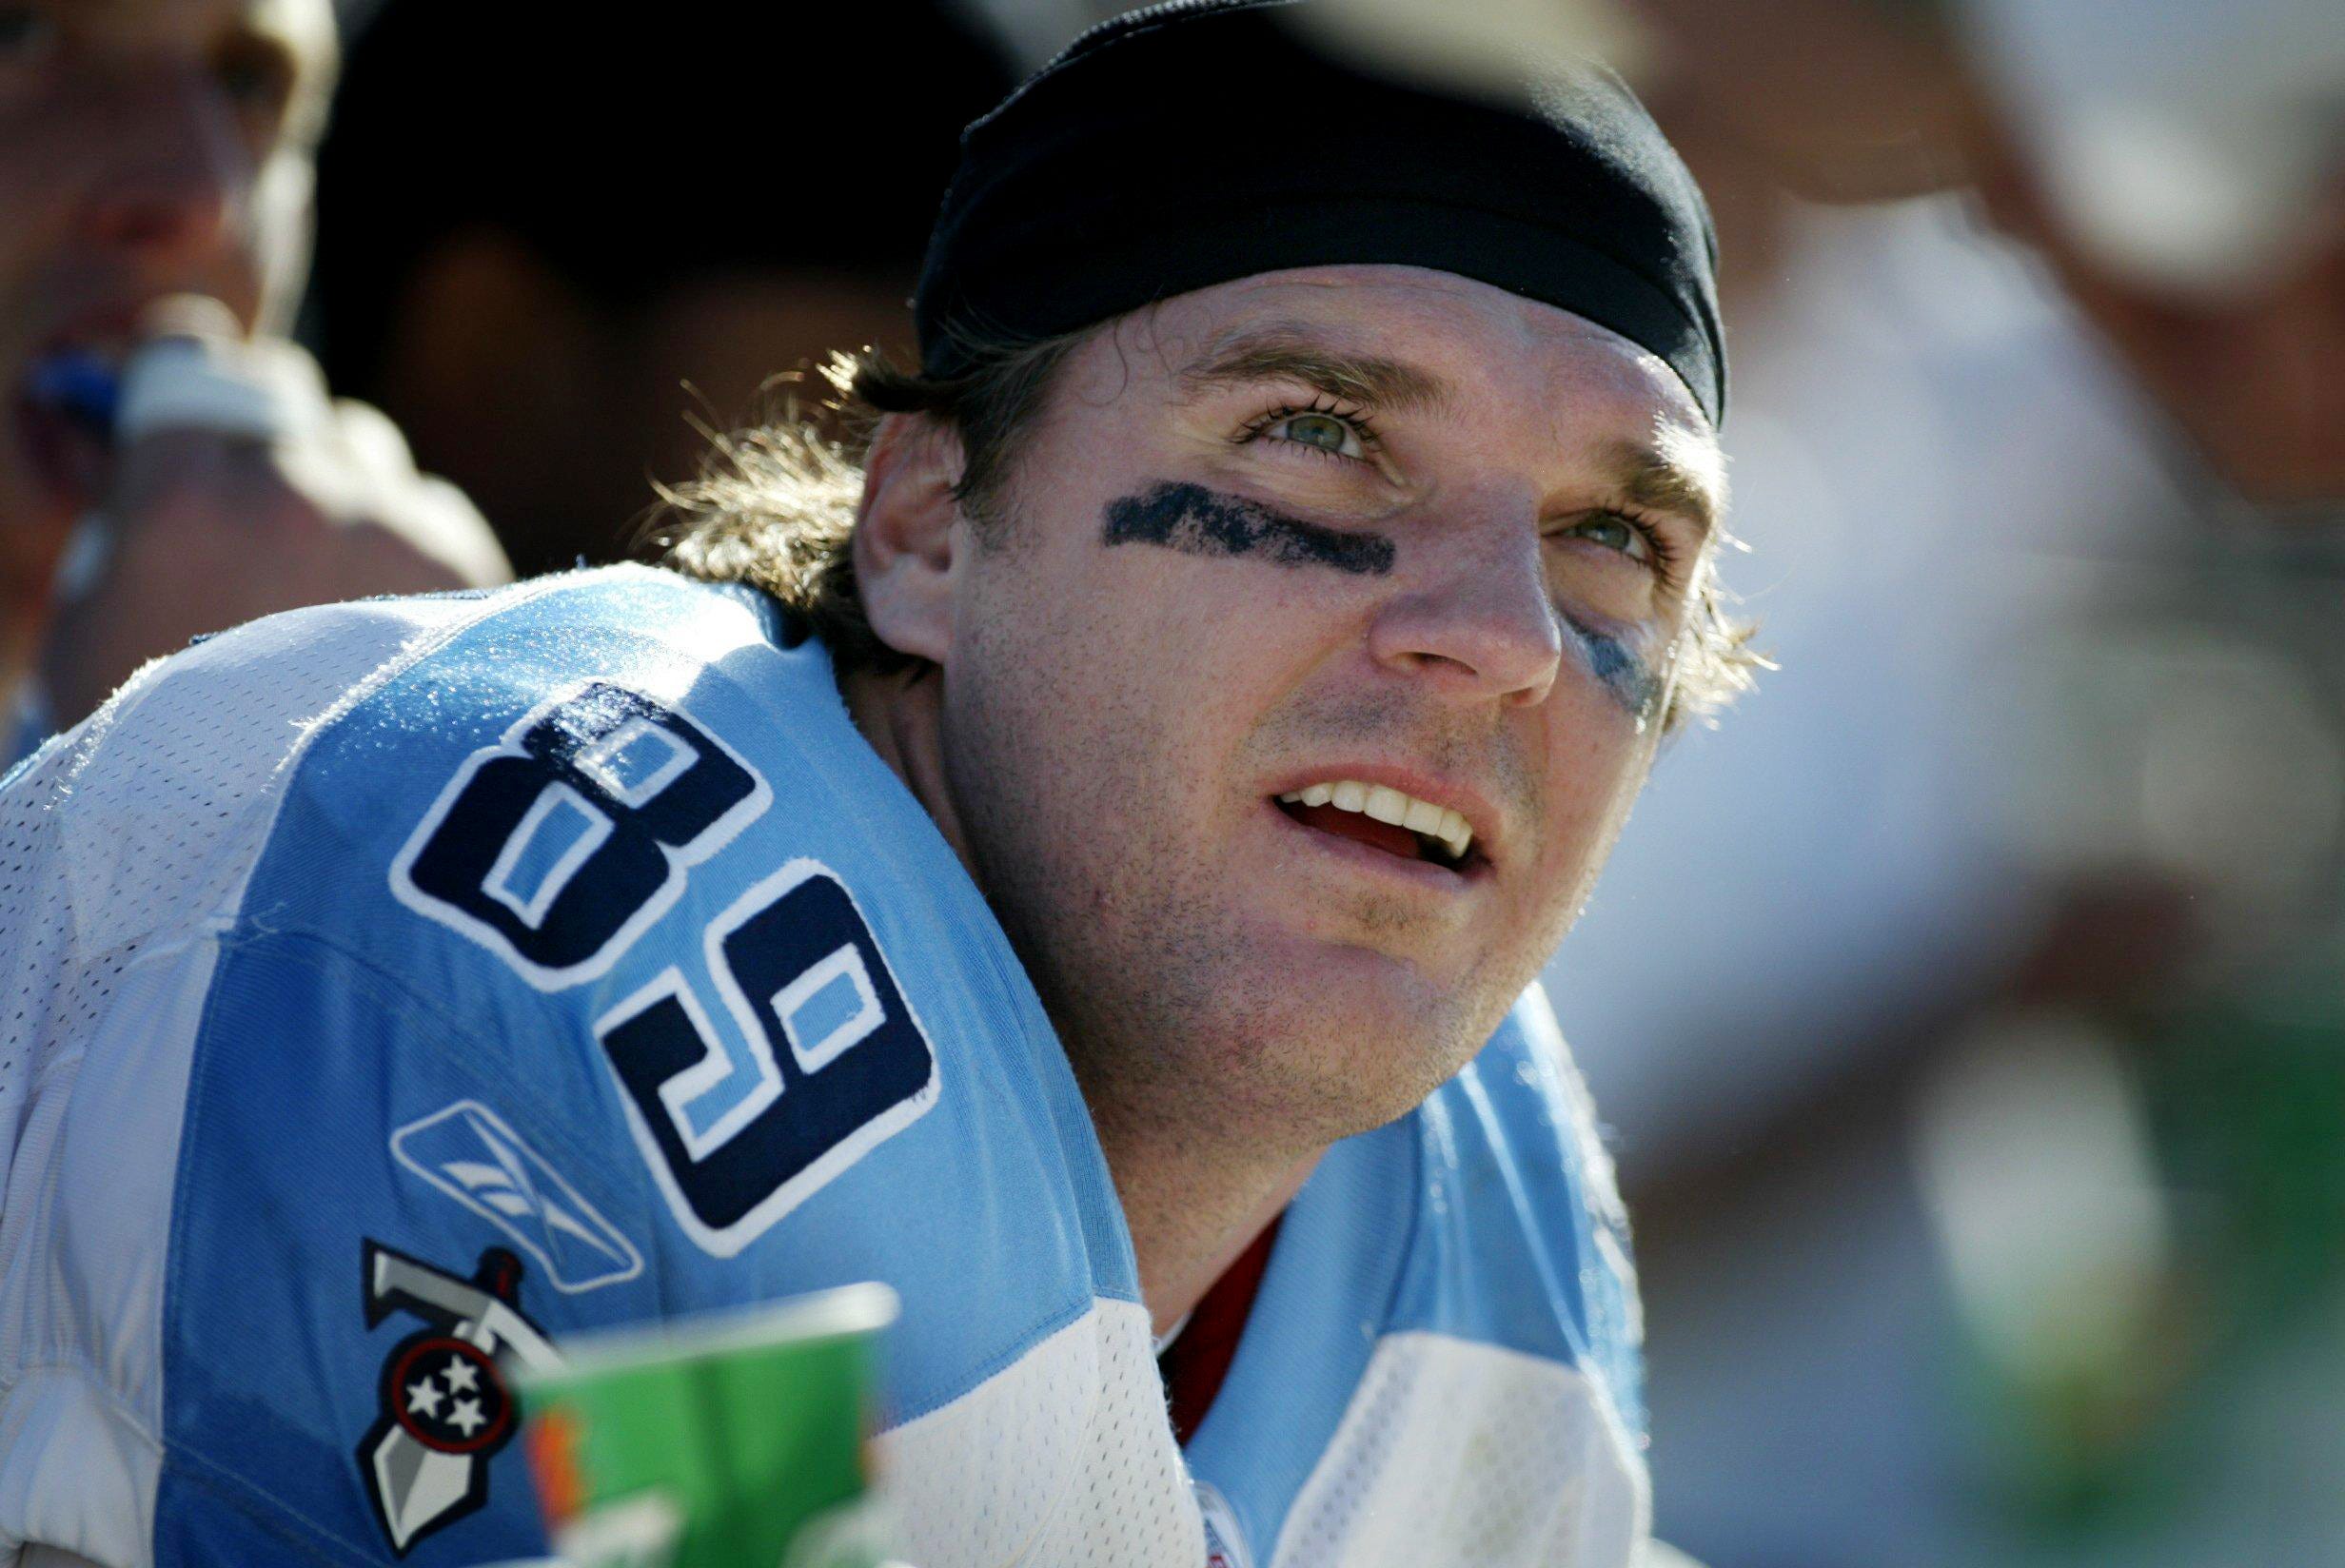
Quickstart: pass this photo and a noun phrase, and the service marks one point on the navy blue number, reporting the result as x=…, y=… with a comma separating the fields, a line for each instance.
x=844, y=1062
x=574, y=834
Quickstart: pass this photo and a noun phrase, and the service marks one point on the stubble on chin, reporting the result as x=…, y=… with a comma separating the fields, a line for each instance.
x=1179, y=1022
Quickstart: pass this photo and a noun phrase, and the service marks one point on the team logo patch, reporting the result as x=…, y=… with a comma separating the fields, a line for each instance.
x=467, y=1153
x=446, y=1406
x=439, y=1369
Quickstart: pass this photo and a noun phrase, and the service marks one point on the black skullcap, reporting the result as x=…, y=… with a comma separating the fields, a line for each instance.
x=1200, y=140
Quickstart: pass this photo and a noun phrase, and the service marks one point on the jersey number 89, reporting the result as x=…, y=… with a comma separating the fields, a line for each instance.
x=563, y=844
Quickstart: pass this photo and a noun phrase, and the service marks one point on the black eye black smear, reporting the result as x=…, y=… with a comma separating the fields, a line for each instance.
x=1205, y=523
x=1637, y=689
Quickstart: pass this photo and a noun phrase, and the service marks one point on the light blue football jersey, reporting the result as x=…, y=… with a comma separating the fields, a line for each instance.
x=403, y=985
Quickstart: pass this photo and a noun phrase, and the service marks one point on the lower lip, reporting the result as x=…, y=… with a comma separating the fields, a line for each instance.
x=1414, y=874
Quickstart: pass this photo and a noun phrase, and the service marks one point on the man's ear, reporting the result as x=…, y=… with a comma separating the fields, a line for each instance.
x=903, y=544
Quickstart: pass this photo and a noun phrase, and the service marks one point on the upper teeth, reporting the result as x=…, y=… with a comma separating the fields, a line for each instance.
x=1388, y=804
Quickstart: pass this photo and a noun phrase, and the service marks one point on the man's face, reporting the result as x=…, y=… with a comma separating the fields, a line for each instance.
x=147, y=147
x=1370, y=525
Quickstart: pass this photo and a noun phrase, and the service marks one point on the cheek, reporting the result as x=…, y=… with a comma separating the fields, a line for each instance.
x=1235, y=648
x=1122, y=716
x=1049, y=668
x=1596, y=765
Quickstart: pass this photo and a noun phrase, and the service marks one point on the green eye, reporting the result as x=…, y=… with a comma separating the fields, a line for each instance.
x=1321, y=430
x=1613, y=532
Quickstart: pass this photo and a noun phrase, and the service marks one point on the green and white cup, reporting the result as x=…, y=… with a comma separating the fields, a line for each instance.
x=735, y=1442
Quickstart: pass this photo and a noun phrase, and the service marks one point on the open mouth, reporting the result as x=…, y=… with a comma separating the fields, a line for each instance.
x=1385, y=818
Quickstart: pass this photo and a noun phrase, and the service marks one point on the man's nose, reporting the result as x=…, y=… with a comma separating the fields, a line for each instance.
x=1472, y=612
x=174, y=174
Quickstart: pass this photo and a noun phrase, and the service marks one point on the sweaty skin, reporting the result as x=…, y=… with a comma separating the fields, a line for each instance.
x=1199, y=522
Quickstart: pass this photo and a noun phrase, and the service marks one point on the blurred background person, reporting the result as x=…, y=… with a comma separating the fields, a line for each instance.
x=557, y=255
x=152, y=150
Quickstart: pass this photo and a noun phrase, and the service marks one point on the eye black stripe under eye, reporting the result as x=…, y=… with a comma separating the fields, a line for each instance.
x=1199, y=522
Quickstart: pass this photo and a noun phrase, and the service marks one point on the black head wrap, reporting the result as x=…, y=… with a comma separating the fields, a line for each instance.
x=1197, y=141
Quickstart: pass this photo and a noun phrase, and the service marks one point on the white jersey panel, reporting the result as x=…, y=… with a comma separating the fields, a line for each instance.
x=1063, y=1459
x=1466, y=1453
x=116, y=884
x=81, y=1284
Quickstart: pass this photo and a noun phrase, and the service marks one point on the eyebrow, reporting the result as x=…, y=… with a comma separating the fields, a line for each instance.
x=1656, y=474
x=1659, y=479
x=1286, y=353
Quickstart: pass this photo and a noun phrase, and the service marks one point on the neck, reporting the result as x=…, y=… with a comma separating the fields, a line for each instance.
x=901, y=716
x=1191, y=1208
x=1192, y=1203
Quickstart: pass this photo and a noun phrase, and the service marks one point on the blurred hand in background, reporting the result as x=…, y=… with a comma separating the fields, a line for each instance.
x=2178, y=165
x=235, y=488
x=2182, y=172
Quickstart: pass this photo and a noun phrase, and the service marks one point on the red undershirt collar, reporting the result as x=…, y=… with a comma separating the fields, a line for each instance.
x=1204, y=1344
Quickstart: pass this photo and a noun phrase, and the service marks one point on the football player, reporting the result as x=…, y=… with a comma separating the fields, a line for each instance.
x=1080, y=858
